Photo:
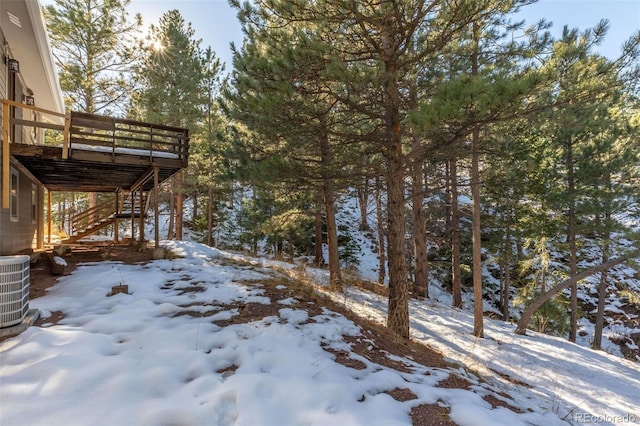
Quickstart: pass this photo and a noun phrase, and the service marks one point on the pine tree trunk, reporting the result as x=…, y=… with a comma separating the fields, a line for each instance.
x=71, y=212
x=398, y=310
x=62, y=208
x=478, y=311
x=602, y=298
x=179, y=206
x=382, y=257
x=398, y=315
x=507, y=269
x=196, y=210
x=170, y=232
x=602, y=289
x=210, y=217
x=421, y=279
x=363, y=201
x=456, y=276
x=571, y=236
x=317, y=249
x=335, y=275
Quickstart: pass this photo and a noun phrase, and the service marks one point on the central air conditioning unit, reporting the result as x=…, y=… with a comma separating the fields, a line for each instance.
x=14, y=289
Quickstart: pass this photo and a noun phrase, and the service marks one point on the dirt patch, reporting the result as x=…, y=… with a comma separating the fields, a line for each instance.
x=344, y=358
x=497, y=402
x=228, y=371
x=431, y=415
x=454, y=381
x=53, y=319
x=511, y=379
x=402, y=395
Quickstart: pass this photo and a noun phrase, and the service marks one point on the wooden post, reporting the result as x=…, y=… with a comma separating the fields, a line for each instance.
x=6, y=154
x=133, y=216
x=141, y=220
x=65, y=143
x=156, y=194
x=115, y=222
x=48, y=217
x=39, y=216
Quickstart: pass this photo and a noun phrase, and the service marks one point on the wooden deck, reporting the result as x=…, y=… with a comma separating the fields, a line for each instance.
x=94, y=153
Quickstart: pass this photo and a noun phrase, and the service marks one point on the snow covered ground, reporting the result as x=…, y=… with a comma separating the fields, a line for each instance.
x=577, y=383
x=134, y=359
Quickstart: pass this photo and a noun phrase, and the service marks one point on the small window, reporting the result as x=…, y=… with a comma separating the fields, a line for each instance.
x=34, y=203
x=13, y=196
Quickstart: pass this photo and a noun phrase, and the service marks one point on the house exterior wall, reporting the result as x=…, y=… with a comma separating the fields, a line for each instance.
x=22, y=234
x=3, y=75
x=25, y=232
x=3, y=94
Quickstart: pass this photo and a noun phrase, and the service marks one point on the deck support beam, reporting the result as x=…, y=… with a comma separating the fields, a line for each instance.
x=48, y=217
x=141, y=220
x=156, y=193
x=116, y=237
x=133, y=216
x=65, y=135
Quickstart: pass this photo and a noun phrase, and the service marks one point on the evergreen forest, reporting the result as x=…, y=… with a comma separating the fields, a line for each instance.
x=470, y=151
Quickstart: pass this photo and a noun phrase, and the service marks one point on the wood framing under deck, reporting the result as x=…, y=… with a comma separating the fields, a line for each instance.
x=92, y=153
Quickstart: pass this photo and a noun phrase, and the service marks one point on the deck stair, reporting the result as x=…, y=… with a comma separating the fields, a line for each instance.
x=106, y=213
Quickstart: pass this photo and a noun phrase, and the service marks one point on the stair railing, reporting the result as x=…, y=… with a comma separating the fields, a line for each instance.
x=93, y=216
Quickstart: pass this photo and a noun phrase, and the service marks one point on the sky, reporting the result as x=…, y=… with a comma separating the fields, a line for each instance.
x=215, y=22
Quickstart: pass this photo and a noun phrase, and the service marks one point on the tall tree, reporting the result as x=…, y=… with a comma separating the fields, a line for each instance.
x=206, y=176
x=492, y=80
x=374, y=41
x=169, y=76
x=169, y=87
x=375, y=51
x=279, y=94
x=92, y=45
x=581, y=78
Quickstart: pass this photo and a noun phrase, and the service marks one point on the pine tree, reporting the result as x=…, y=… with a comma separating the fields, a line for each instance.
x=206, y=177
x=92, y=45
x=169, y=77
x=587, y=87
x=374, y=46
x=581, y=78
x=280, y=94
x=169, y=89
x=490, y=81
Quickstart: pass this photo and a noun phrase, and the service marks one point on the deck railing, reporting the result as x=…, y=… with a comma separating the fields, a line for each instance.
x=91, y=132
x=8, y=127
x=120, y=136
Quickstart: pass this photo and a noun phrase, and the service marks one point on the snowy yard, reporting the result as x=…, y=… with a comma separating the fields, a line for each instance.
x=174, y=351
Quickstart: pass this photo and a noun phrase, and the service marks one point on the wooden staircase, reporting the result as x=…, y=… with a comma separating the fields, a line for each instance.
x=104, y=214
